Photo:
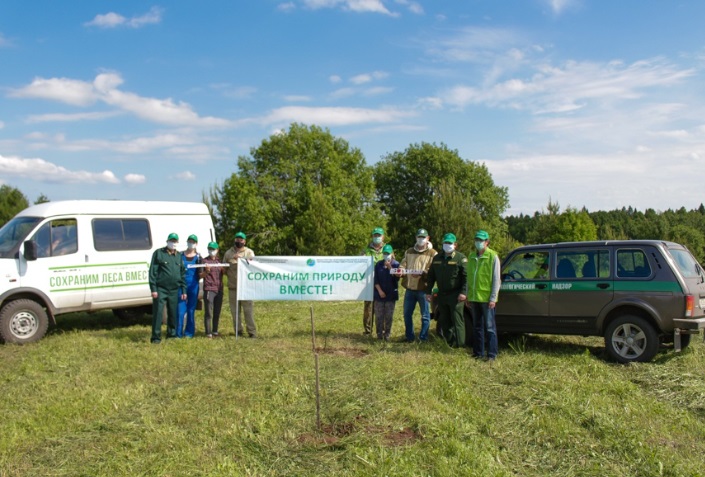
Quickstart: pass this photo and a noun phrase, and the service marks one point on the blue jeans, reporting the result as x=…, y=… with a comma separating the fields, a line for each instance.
x=411, y=297
x=186, y=325
x=483, y=326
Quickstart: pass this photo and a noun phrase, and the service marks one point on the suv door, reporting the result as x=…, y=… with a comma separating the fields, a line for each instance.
x=523, y=304
x=582, y=286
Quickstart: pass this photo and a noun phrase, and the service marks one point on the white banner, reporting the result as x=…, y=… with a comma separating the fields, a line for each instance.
x=305, y=278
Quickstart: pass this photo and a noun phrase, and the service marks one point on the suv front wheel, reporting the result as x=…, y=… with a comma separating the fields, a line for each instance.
x=631, y=338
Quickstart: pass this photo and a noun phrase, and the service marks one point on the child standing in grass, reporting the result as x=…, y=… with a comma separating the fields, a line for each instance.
x=386, y=293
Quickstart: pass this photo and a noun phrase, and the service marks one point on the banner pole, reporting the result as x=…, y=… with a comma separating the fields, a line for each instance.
x=318, y=386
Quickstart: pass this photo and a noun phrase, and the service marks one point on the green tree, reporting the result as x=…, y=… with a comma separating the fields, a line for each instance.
x=302, y=191
x=570, y=226
x=423, y=187
x=12, y=201
x=41, y=199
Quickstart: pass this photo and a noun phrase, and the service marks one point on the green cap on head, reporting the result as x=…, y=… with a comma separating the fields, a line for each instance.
x=378, y=231
x=422, y=233
x=449, y=238
x=192, y=238
x=387, y=249
x=240, y=235
x=172, y=236
x=482, y=235
x=213, y=246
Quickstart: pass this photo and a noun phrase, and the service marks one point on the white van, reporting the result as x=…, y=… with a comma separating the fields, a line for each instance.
x=86, y=255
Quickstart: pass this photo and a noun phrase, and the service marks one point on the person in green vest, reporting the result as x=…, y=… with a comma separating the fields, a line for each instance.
x=374, y=250
x=484, y=280
x=448, y=271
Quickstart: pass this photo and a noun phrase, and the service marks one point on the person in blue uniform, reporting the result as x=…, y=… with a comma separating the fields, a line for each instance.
x=186, y=326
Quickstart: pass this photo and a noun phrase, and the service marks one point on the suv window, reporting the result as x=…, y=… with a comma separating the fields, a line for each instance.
x=632, y=263
x=55, y=238
x=583, y=264
x=121, y=234
x=685, y=263
x=527, y=266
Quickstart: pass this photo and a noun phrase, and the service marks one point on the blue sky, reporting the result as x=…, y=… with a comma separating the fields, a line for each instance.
x=589, y=103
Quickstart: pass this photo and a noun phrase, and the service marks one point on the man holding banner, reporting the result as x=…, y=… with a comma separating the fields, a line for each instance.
x=232, y=256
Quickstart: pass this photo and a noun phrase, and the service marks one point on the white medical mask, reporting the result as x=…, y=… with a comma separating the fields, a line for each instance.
x=479, y=245
x=171, y=245
x=191, y=245
x=376, y=240
x=420, y=241
x=213, y=253
x=448, y=247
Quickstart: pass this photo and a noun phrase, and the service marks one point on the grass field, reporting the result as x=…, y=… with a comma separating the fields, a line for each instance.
x=95, y=398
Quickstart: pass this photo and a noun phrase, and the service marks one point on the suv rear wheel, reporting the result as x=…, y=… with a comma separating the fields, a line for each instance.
x=631, y=338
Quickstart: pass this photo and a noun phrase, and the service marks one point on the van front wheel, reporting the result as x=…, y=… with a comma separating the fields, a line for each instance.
x=23, y=321
x=631, y=338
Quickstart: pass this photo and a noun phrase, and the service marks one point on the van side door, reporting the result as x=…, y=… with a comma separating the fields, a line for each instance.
x=57, y=270
x=582, y=286
x=523, y=303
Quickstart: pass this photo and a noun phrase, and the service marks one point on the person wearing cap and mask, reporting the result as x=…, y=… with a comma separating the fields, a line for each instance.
x=186, y=325
x=484, y=282
x=418, y=259
x=235, y=253
x=386, y=292
x=374, y=250
x=448, y=271
x=212, y=290
x=167, y=282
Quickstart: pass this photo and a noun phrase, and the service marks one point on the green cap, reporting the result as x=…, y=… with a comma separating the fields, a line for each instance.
x=213, y=245
x=193, y=238
x=387, y=249
x=422, y=233
x=482, y=235
x=172, y=236
x=240, y=235
x=449, y=238
x=378, y=231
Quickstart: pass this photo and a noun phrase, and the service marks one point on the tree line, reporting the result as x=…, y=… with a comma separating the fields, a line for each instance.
x=303, y=191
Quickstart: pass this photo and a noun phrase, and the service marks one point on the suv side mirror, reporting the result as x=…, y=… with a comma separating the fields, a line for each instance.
x=30, y=250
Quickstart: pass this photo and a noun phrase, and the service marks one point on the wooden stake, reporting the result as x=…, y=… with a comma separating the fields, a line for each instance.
x=318, y=386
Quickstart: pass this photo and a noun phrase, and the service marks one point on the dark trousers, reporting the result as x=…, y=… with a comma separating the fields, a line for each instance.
x=451, y=320
x=214, y=303
x=170, y=300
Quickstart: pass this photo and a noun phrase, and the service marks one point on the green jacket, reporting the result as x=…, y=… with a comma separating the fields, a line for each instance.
x=450, y=274
x=483, y=277
x=371, y=251
x=167, y=271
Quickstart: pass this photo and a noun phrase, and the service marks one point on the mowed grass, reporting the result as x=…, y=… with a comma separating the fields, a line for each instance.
x=95, y=398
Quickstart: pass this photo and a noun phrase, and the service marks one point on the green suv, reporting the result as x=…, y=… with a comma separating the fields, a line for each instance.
x=636, y=293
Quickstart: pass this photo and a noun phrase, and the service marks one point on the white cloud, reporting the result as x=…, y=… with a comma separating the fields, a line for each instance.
x=414, y=7
x=559, y=6
x=63, y=118
x=368, y=77
x=2, y=124
x=474, y=44
x=333, y=116
x=114, y=20
x=358, y=6
x=235, y=92
x=135, y=179
x=343, y=93
x=377, y=90
x=335, y=79
x=185, y=176
x=104, y=88
x=43, y=171
x=286, y=7
x=4, y=42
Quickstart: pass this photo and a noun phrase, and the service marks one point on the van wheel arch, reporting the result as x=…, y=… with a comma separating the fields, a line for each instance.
x=23, y=321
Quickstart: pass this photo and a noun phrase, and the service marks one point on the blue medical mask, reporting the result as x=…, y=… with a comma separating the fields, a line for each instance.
x=387, y=257
x=377, y=240
x=448, y=247
x=171, y=245
x=479, y=245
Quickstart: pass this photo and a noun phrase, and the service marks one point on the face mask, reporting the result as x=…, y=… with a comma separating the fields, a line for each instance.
x=448, y=247
x=387, y=257
x=171, y=245
x=420, y=241
x=213, y=253
x=191, y=245
x=376, y=240
x=239, y=244
x=479, y=245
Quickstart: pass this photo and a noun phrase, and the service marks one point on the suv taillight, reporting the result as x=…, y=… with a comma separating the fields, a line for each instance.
x=689, y=303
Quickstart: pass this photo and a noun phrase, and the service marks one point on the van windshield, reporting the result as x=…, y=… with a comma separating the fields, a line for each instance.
x=685, y=262
x=13, y=233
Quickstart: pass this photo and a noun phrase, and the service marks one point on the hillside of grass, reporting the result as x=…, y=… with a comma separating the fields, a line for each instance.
x=95, y=398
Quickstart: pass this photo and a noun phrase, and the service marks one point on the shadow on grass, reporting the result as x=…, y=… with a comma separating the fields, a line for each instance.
x=132, y=329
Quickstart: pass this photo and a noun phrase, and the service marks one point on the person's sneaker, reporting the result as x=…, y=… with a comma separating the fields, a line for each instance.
x=215, y=334
x=386, y=338
x=209, y=336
